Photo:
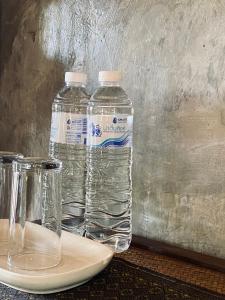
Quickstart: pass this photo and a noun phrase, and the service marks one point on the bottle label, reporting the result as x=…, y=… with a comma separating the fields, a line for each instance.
x=69, y=128
x=112, y=131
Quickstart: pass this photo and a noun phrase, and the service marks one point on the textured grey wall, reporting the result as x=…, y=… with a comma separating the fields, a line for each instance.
x=172, y=55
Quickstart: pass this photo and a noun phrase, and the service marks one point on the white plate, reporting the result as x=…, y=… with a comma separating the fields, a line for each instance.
x=81, y=260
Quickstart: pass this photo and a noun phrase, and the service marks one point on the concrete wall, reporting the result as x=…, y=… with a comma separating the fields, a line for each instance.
x=172, y=55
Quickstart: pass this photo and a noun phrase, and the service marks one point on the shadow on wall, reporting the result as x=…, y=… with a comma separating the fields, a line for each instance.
x=29, y=80
x=9, y=22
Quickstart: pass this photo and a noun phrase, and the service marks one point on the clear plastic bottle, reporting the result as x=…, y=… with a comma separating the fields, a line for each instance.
x=68, y=143
x=109, y=162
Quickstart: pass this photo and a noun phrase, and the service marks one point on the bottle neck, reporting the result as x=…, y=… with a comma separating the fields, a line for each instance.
x=75, y=84
x=109, y=83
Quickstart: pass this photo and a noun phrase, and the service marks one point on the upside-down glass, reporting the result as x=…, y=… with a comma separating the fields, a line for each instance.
x=6, y=159
x=35, y=214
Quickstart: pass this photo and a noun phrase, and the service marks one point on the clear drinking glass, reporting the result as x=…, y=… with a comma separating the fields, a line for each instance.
x=6, y=159
x=35, y=214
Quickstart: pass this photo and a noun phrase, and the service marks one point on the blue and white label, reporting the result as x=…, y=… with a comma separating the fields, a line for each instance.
x=69, y=128
x=110, y=131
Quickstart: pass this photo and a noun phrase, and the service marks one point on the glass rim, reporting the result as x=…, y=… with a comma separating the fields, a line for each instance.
x=7, y=157
x=45, y=163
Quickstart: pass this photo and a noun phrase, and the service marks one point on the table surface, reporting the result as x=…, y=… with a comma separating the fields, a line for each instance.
x=176, y=268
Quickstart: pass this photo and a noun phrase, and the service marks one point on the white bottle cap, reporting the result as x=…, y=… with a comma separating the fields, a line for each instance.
x=76, y=77
x=109, y=76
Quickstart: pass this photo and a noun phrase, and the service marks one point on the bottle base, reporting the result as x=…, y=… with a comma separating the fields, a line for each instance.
x=116, y=243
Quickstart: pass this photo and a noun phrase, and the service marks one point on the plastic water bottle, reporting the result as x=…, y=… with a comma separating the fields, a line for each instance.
x=68, y=143
x=109, y=161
